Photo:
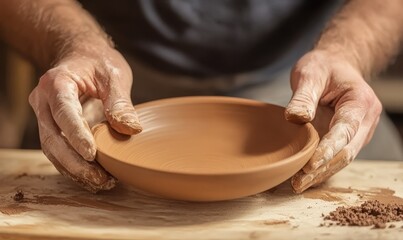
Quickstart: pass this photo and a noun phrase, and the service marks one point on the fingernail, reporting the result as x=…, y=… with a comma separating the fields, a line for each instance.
x=132, y=122
x=298, y=114
x=124, y=121
x=87, y=150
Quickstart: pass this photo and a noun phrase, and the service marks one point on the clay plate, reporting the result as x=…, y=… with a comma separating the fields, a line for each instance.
x=207, y=148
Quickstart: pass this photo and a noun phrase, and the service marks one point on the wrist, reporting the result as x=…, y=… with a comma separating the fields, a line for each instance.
x=339, y=54
x=92, y=46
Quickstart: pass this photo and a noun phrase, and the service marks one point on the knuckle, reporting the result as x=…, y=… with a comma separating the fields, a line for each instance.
x=61, y=109
x=33, y=98
x=47, y=78
x=370, y=100
x=346, y=128
x=348, y=156
x=304, y=73
x=350, y=130
x=377, y=107
x=47, y=140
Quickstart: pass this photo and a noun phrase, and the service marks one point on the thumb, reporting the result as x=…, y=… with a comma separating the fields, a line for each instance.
x=119, y=110
x=308, y=84
x=121, y=115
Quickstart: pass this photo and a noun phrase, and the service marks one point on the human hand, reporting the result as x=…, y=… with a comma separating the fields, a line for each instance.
x=57, y=101
x=333, y=94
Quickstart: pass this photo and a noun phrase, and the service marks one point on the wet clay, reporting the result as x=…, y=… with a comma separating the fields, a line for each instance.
x=322, y=195
x=207, y=148
x=275, y=222
x=370, y=213
x=12, y=209
x=333, y=194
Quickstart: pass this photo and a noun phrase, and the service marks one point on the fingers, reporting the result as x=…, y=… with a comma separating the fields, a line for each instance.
x=305, y=179
x=67, y=161
x=308, y=83
x=302, y=181
x=356, y=109
x=66, y=110
x=343, y=127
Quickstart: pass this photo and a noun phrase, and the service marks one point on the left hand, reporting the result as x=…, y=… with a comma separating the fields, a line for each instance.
x=327, y=86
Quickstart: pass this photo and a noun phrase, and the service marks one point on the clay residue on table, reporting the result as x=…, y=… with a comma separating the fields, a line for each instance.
x=334, y=194
x=275, y=222
x=383, y=195
x=328, y=194
x=15, y=208
x=75, y=202
x=30, y=204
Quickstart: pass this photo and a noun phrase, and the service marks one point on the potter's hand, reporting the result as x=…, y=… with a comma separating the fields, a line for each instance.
x=320, y=80
x=65, y=135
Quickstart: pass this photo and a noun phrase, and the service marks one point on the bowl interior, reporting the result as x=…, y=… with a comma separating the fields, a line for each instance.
x=206, y=135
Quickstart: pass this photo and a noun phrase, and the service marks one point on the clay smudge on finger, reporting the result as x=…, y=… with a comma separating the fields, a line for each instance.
x=298, y=114
x=92, y=176
x=67, y=112
x=123, y=118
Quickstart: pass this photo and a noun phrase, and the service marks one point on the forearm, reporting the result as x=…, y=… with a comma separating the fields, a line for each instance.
x=366, y=33
x=47, y=30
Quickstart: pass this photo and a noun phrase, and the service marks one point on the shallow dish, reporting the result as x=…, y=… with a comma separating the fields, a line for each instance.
x=207, y=148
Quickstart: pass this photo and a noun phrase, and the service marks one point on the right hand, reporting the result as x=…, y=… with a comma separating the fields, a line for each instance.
x=57, y=101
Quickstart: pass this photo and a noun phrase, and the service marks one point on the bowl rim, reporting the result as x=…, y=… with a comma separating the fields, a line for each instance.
x=312, y=140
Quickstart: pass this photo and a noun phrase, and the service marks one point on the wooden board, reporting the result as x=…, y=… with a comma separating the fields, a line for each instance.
x=54, y=208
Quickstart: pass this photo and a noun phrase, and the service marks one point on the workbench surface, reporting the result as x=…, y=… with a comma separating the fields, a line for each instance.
x=55, y=208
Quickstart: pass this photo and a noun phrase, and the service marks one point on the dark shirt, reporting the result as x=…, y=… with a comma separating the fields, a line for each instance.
x=205, y=38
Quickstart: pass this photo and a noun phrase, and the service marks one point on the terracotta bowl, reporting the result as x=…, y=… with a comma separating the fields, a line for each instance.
x=207, y=148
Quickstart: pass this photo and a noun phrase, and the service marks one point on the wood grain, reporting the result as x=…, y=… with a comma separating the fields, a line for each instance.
x=53, y=207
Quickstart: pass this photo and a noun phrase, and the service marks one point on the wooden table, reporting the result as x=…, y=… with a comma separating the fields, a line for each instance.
x=55, y=208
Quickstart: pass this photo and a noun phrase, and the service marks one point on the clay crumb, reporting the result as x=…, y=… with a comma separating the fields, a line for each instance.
x=24, y=174
x=380, y=225
x=370, y=213
x=18, y=196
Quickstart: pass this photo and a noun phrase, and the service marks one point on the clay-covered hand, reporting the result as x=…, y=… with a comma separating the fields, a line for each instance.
x=333, y=94
x=57, y=101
